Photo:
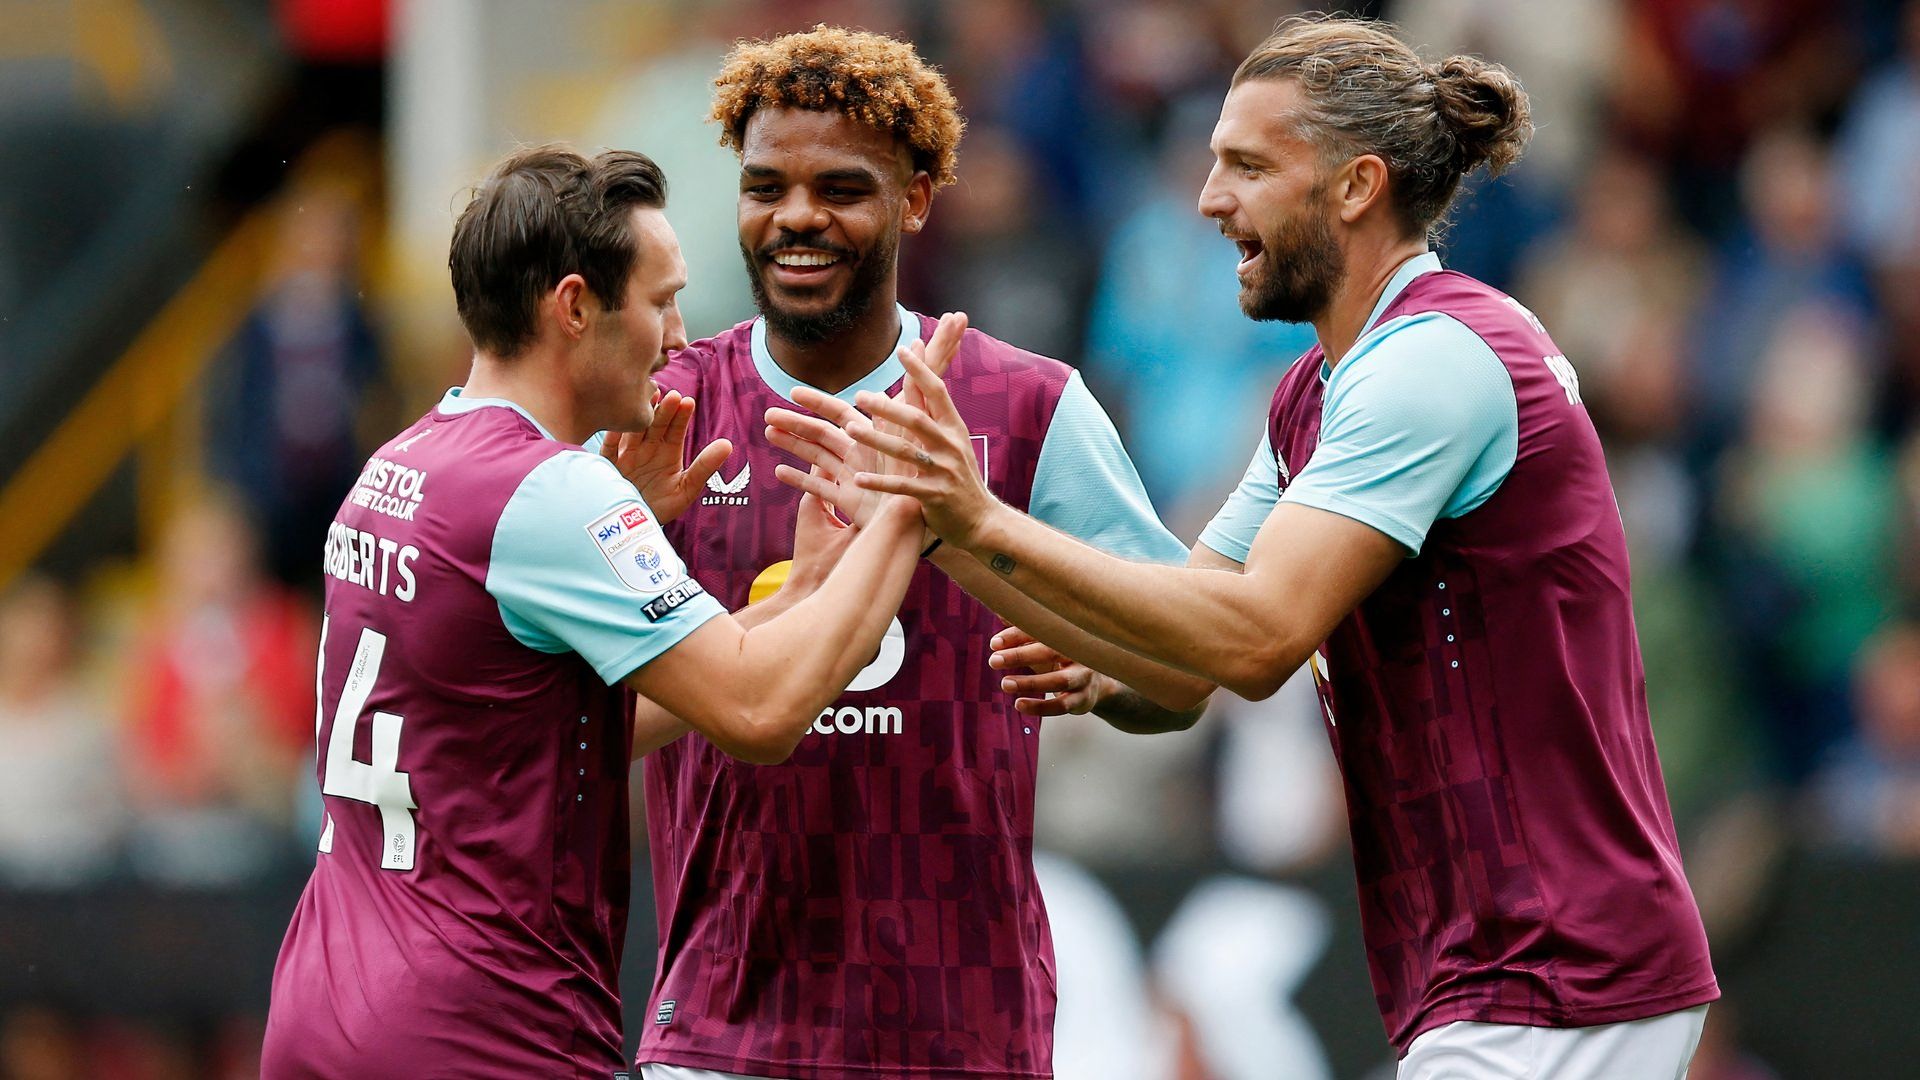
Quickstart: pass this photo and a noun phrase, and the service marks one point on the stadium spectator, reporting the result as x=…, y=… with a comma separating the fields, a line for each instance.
x=1807, y=511
x=290, y=393
x=1151, y=55
x=662, y=105
x=1019, y=66
x=1907, y=522
x=220, y=703
x=1619, y=271
x=1879, y=153
x=1568, y=51
x=1697, y=79
x=1870, y=794
x=1787, y=255
x=59, y=808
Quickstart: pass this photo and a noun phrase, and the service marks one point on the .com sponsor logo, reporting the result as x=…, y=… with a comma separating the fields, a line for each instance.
x=849, y=720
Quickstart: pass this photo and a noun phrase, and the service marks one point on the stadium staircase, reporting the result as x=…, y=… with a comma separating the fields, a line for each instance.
x=127, y=259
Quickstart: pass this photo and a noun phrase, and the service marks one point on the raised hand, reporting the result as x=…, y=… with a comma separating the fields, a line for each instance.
x=830, y=451
x=934, y=447
x=821, y=441
x=1056, y=685
x=650, y=459
x=819, y=539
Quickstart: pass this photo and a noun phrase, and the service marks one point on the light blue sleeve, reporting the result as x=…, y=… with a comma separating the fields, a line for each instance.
x=579, y=565
x=1420, y=423
x=1232, y=530
x=1085, y=485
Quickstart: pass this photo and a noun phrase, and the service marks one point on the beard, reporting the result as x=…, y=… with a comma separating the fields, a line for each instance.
x=1302, y=267
x=869, y=273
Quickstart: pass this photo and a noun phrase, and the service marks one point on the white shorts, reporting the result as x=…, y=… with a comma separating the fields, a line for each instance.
x=681, y=1072
x=1656, y=1048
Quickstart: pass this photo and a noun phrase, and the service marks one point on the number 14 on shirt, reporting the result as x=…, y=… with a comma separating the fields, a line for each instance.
x=379, y=782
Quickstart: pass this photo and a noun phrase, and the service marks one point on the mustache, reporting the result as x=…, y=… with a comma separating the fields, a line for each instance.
x=808, y=241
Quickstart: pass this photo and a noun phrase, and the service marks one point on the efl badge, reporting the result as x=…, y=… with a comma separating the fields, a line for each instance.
x=631, y=543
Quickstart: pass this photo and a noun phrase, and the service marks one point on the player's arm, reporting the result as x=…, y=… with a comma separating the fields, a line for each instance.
x=1248, y=632
x=819, y=542
x=1421, y=429
x=1055, y=684
x=753, y=691
x=655, y=727
x=580, y=565
x=1085, y=485
x=1178, y=696
x=819, y=539
x=1137, y=694
x=1166, y=699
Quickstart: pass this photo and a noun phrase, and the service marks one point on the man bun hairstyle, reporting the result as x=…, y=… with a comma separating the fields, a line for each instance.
x=1486, y=109
x=874, y=79
x=543, y=213
x=1368, y=92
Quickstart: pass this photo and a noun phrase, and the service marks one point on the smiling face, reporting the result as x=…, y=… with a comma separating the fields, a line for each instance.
x=823, y=201
x=1269, y=193
x=614, y=380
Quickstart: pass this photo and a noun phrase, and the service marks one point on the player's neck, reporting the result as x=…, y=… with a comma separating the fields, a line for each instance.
x=845, y=358
x=529, y=382
x=1368, y=274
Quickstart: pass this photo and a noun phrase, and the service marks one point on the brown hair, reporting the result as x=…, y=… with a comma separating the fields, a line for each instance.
x=541, y=214
x=1367, y=92
x=877, y=80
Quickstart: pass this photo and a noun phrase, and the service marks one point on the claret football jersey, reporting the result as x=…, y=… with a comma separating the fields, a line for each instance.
x=869, y=908
x=487, y=587
x=1516, y=857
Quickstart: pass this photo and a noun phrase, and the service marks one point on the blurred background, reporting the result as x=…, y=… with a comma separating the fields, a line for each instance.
x=223, y=230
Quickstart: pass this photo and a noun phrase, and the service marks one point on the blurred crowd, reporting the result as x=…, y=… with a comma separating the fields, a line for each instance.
x=1719, y=223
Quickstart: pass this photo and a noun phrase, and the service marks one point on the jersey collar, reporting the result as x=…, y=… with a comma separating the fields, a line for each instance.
x=453, y=404
x=877, y=380
x=1424, y=263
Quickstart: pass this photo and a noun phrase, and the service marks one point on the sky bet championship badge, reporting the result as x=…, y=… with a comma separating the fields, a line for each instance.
x=633, y=546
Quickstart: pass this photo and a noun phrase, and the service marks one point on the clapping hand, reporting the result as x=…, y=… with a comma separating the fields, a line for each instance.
x=650, y=459
x=1056, y=684
x=821, y=441
x=819, y=539
x=930, y=450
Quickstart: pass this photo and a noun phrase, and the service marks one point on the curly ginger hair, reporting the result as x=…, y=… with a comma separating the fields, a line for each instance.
x=877, y=80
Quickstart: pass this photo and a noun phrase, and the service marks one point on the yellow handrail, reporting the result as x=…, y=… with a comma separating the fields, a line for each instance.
x=146, y=402
x=134, y=399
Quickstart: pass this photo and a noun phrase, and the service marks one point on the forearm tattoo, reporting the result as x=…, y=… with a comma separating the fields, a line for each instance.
x=1002, y=564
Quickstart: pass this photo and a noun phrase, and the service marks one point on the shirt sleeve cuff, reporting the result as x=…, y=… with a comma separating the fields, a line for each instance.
x=1226, y=544
x=1405, y=533
x=652, y=645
